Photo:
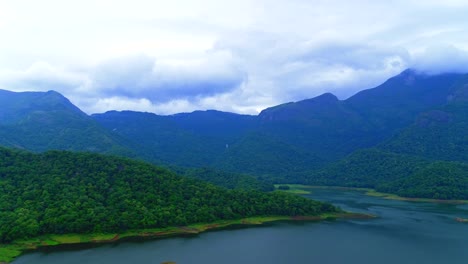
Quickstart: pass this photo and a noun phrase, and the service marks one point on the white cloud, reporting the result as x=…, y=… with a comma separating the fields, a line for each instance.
x=239, y=56
x=41, y=76
x=441, y=59
x=165, y=80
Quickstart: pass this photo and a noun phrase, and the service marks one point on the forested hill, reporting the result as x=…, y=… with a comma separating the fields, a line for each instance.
x=289, y=139
x=404, y=175
x=225, y=179
x=426, y=159
x=392, y=129
x=63, y=192
x=281, y=142
x=40, y=121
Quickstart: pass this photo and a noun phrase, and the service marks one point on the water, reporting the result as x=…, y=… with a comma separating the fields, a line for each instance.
x=405, y=232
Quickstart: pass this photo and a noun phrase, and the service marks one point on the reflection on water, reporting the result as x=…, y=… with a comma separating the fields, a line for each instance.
x=405, y=232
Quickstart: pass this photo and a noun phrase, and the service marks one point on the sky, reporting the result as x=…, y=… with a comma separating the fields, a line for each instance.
x=239, y=56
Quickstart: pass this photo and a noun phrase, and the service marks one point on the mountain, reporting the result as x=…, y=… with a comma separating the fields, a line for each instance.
x=331, y=129
x=381, y=134
x=440, y=133
x=287, y=140
x=59, y=192
x=217, y=124
x=40, y=121
x=428, y=158
x=192, y=140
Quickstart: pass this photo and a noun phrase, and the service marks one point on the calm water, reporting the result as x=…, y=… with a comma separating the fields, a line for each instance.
x=405, y=233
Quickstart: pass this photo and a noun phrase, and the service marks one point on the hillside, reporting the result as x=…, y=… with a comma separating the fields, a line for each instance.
x=438, y=134
x=290, y=139
x=404, y=175
x=40, y=121
x=61, y=192
x=366, y=168
x=439, y=180
x=160, y=139
x=225, y=179
x=427, y=159
x=377, y=136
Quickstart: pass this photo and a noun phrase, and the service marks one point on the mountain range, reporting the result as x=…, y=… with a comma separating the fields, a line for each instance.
x=387, y=137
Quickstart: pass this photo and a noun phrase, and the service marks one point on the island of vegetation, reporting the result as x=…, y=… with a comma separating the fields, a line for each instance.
x=60, y=197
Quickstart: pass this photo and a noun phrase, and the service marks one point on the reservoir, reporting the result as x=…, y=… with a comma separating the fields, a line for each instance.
x=405, y=232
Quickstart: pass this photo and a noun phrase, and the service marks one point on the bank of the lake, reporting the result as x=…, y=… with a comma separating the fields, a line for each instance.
x=307, y=189
x=8, y=252
x=405, y=233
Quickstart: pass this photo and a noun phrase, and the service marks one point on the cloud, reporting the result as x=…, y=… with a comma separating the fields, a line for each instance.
x=239, y=56
x=441, y=59
x=135, y=82
x=292, y=69
x=41, y=76
x=162, y=81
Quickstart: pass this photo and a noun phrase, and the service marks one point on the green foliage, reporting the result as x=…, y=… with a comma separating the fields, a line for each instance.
x=439, y=180
x=61, y=192
x=266, y=158
x=39, y=121
x=226, y=179
x=366, y=169
x=189, y=140
x=400, y=174
x=440, y=134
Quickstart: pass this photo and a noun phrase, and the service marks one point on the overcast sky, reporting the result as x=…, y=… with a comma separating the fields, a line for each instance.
x=240, y=56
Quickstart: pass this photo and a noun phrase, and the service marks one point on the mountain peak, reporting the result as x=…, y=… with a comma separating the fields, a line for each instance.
x=325, y=98
x=19, y=105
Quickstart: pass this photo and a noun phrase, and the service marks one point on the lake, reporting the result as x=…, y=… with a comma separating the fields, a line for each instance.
x=405, y=232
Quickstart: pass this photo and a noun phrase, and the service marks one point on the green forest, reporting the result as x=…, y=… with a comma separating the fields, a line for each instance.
x=229, y=180
x=59, y=192
x=400, y=174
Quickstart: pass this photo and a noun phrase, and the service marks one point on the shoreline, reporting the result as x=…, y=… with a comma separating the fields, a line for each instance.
x=374, y=193
x=8, y=252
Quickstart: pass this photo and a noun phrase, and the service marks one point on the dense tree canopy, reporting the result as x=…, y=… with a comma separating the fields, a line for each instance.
x=63, y=192
x=439, y=180
x=400, y=174
x=225, y=179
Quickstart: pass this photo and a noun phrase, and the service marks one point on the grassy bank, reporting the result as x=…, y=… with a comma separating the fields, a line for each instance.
x=293, y=188
x=374, y=193
x=8, y=252
x=307, y=189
